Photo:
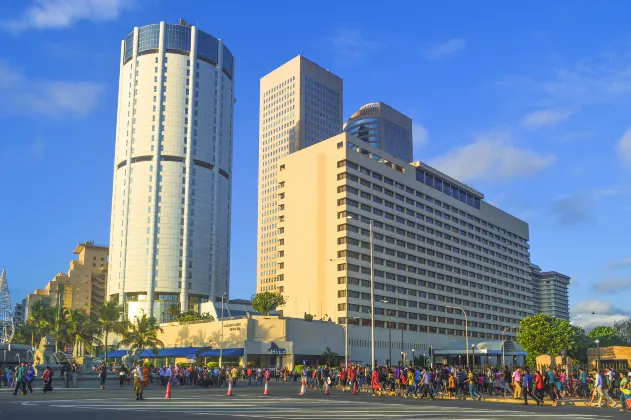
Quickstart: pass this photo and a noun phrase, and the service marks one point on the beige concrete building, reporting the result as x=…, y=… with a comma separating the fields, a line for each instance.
x=300, y=105
x=82, y=287
x=436, y=245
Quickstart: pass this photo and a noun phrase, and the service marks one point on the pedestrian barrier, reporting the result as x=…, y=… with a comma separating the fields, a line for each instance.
x=266, y=392
x=229, y=394
x=168, y=394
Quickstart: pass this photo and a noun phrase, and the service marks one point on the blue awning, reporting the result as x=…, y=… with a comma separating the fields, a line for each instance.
x=171, y=352
x=114, y=354
x=226, y=352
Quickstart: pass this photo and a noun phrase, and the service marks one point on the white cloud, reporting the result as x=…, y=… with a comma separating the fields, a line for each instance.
x=618, y=264
x=420, y=136
x=592, y=313
x=491, y=157
x=544, y=117
x=624, y=147
x=612, y=285
x=52, y=98
x=46, y=14
x=445, y=49
x=350, y=45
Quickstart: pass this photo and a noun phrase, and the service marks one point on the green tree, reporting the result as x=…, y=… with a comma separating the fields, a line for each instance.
x=543, y=334
x=41, y=320
x=606, y=336
x=266, y=302
x=174, y=311
x=582, y=342
x=109, y=320
x=143, y=334
x=81, y=330
x=330, y=357
x=623, y=330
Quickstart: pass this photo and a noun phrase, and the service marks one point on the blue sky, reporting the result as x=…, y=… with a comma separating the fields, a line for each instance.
x=529, y=102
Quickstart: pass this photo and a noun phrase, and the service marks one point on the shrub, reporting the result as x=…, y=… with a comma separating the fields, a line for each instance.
x=212, y=364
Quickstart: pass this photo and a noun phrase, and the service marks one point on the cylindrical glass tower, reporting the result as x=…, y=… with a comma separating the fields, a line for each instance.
x=170, y=231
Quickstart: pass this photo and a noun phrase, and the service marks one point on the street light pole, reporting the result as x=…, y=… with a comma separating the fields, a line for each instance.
x=598, y=355
x=413, y=360
x=466, y=329
x=389, y=313
x=372, y=301
x=221, y=341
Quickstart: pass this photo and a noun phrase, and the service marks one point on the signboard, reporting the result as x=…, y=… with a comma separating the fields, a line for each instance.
x=191, y=358
x=274, y=349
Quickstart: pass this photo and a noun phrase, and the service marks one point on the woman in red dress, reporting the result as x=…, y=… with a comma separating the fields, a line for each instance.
x=376, y=386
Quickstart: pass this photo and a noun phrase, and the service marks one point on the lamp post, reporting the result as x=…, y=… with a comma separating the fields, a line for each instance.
x=466, y=329
x=473, y=355
x=221, y=341
x=598, y=355
x=431, y=357
x=389, y=313
x=413, y=359
x=402, y=359
x=424, y=361
x=372, y=298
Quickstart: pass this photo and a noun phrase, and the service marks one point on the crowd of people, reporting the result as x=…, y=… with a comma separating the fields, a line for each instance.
x=453, y=382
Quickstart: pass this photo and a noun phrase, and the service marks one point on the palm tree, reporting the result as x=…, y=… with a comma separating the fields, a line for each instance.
x=109, y=320
x=174, y=311
x=40, y=320
x=143, y=334
x=81, y=331
x=330, y=357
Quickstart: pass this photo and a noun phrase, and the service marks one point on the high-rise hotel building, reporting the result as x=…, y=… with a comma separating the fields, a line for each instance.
x=550, y=293
x=300, y=105
x=384, y=127
x=170, y=228
x=434, y=244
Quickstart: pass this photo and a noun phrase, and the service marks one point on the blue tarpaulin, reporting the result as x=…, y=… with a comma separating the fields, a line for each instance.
x=226, y=352
x=171, y=352
x=114, y=354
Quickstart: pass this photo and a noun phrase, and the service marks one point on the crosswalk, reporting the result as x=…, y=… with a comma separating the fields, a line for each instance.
x=312, y=408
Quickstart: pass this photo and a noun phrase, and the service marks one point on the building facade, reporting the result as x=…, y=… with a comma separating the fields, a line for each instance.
x=82, y=287
x=550, y=293
x=300, y=105
x=171, y=200
x=19, y=311
x=435, y=244
x=384, y=127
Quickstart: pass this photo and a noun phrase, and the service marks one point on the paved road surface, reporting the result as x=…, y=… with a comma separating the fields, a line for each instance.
x=283, y=403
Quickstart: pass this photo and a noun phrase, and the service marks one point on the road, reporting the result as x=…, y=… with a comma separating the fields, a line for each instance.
x=250, y=403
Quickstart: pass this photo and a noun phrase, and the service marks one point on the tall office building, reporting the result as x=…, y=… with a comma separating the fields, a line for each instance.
x=170, y=231
x=550, y=293
x=300, y=105
x=433, y=242
x=384, y=127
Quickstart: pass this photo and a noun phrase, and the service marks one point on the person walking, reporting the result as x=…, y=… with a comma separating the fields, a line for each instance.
x=47, y=377
x=598, y=391
x=528, y=387
x=471, y=381
x=517, y=383
x=103, y=374
x=139, y=381
x=20, y=378
x=122, y=374
x=30, y=375
x=74, y=371
x=426, y=380
x=551, y=380
x=624, y=391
